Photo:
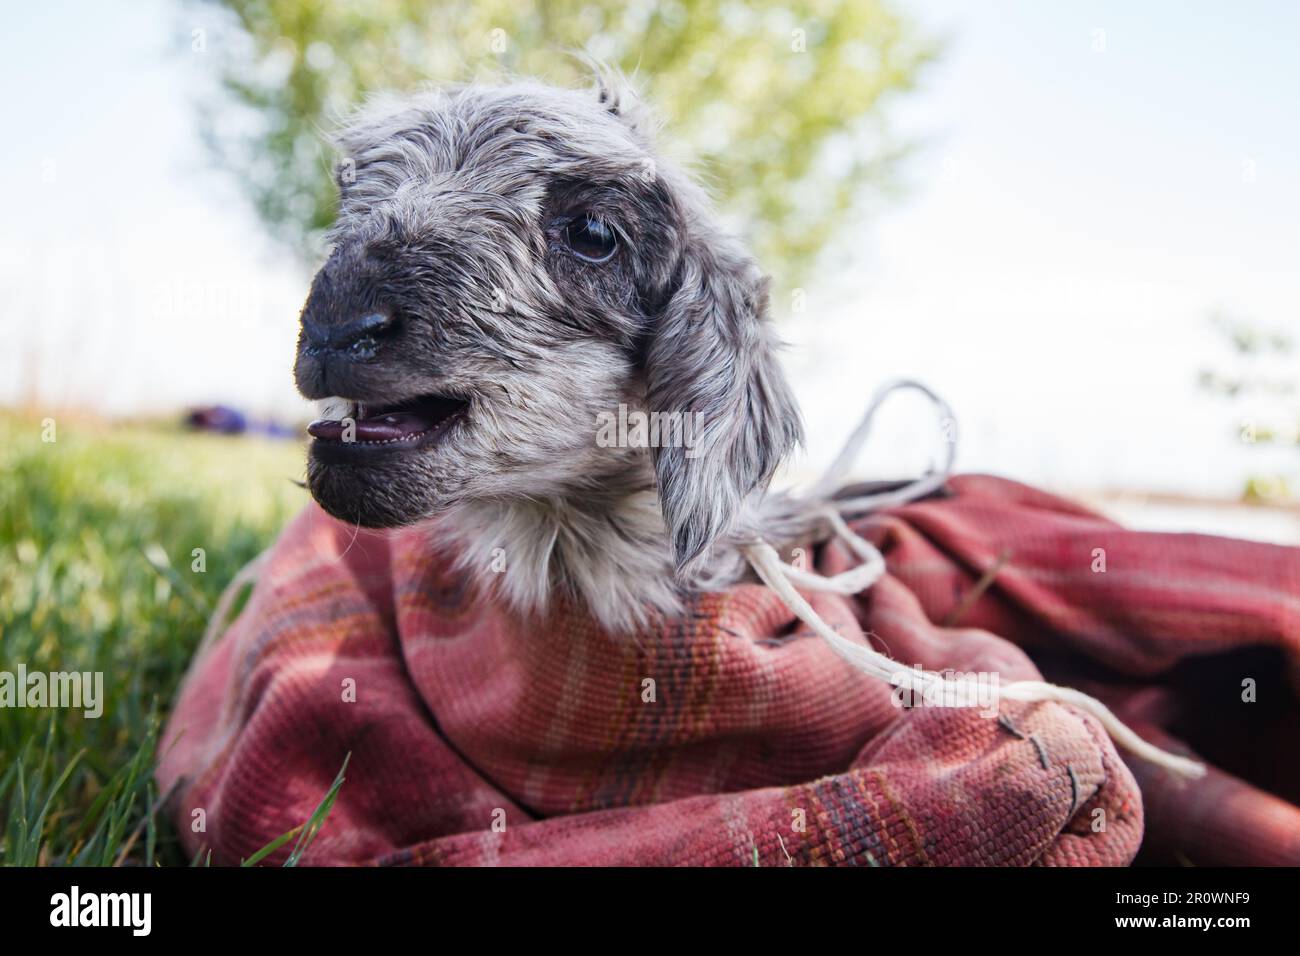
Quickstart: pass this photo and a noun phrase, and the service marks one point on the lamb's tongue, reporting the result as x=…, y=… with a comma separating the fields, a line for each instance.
x=392, y=425
x=385, y=427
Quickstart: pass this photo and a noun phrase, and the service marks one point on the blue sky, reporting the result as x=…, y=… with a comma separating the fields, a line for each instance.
x=1093, y=179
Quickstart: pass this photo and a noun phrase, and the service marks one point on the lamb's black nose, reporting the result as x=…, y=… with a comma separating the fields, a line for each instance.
x=357, y=337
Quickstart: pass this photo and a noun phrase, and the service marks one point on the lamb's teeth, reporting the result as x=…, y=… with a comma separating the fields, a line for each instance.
x=332, y=409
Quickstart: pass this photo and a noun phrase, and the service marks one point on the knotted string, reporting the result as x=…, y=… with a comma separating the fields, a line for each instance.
x=784, y=578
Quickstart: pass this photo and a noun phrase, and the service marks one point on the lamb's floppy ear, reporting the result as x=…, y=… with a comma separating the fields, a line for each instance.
x=710, y=356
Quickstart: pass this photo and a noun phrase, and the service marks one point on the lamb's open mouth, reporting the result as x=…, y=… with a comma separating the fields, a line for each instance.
x=406, y=424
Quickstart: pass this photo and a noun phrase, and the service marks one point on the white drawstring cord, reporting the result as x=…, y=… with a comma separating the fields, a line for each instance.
x=782, y=578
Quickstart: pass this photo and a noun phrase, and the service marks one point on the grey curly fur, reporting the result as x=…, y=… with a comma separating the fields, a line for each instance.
x=451, y=216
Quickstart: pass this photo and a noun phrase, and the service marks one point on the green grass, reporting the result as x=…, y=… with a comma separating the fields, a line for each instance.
x=97, y=536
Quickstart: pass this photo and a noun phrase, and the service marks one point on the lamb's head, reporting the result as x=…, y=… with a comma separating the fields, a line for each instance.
x=510, y=265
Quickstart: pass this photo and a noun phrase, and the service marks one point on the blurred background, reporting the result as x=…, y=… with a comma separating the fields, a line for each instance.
x=1078, y=222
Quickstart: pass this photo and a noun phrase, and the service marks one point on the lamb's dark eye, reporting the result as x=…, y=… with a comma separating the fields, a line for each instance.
x=590, y=238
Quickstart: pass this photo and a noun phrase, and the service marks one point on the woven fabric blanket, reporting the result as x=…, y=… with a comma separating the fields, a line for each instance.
x=736, y=736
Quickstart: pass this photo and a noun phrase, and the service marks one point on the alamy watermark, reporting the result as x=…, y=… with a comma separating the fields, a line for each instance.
x=918, y=687
x=79, y=690
x=637, y=429
x=130, y=910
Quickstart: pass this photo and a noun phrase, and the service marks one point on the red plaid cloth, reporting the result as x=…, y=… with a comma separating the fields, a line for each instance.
x=480, y=738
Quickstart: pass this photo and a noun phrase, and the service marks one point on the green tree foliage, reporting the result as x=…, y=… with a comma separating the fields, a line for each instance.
x=1260, y=379
x=778, y=104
